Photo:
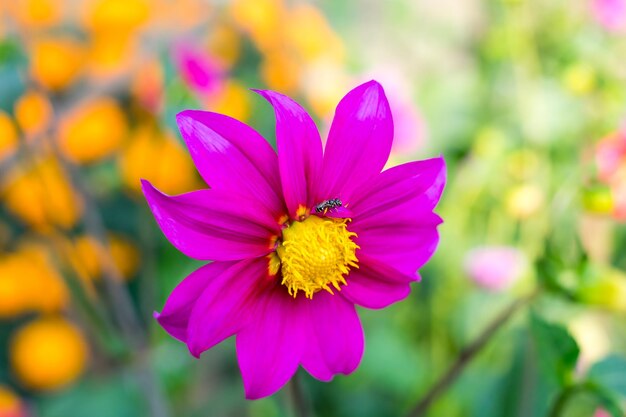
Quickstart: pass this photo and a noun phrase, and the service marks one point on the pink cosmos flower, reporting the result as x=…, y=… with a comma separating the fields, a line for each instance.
x=495, y=268
x=297, y=238
x=610, y=13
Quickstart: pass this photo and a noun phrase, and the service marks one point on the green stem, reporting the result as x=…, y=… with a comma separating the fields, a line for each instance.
x=466, y=356
x=566, y=394
x=298, y=398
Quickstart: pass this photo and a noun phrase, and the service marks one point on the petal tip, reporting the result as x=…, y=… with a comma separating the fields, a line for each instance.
x=147, y=188
x=195, y=352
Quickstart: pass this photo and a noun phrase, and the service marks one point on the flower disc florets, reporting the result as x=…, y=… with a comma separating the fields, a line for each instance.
x=316, y=253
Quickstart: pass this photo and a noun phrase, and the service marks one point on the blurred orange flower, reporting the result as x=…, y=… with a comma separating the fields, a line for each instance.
x=261, y=19
x=233, y=100
x=117, y=16
x=147, y=85
x=29, y=282
x=41, y=195
x=8, y=136
x=56, y=62
x=124, y=253
x=93, y=131
x=224, y=44
x=36, y=13
x=48, y=354
x=281, y=71
x=159, y=158
x=111, y=54
x=310, y=35
x=10, y=404
x=33, y=112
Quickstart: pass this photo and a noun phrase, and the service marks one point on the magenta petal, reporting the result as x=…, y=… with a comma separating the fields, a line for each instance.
x=376, y=285
x=232, y=156
x=175, y=315
x=299, y=151
x=225, y=305
x=419, y=182
x=336, y=342
x=313, y=359
x=270, y=347
x=359, y=141
x=212, y=224
x=404, y=237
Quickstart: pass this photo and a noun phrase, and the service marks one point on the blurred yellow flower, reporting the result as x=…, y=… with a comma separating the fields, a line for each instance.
x=33, y=112
x=224, y=43
x=580, y=79
x=606, y=288
x=525, y=200
x=124, y=254
x=10, y=403
x=281, y=71
x=117, y=16
x=490, y=142
x=309, y=34
x=262, y=19
x=93, y=131
x=8, y=136
x=13, y=298
x=41, y=195
x=598, y=200
x=110, y=54
x=29, y=282
x=56, y=62
x=36, y=13
x=159, y=158
x=48, y=354
x=233, y=100
x=522, y=164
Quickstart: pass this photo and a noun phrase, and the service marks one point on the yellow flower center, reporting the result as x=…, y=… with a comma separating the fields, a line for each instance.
x=316, y=254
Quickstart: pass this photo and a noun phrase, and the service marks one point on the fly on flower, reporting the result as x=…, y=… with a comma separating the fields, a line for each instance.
x=285, y=277
x=326, y=205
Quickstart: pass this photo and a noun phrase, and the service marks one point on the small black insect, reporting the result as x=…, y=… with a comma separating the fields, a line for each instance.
x=328, y=204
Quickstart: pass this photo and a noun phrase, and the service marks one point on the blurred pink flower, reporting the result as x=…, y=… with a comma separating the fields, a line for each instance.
x=410, y=130
x=611, y=155
x=610, y=13
x=495, y=268
x=610, y=159
x=600, y=412
x=409, y=126
x=199, y=71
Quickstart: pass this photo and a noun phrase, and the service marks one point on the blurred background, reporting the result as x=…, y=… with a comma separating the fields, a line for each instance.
x=525, y=99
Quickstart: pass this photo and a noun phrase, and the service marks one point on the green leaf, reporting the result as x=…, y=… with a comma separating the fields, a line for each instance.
x=610, y=374
x=557, y=351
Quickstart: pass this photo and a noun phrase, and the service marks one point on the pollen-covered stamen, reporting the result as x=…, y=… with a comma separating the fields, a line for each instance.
x=316, y=254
